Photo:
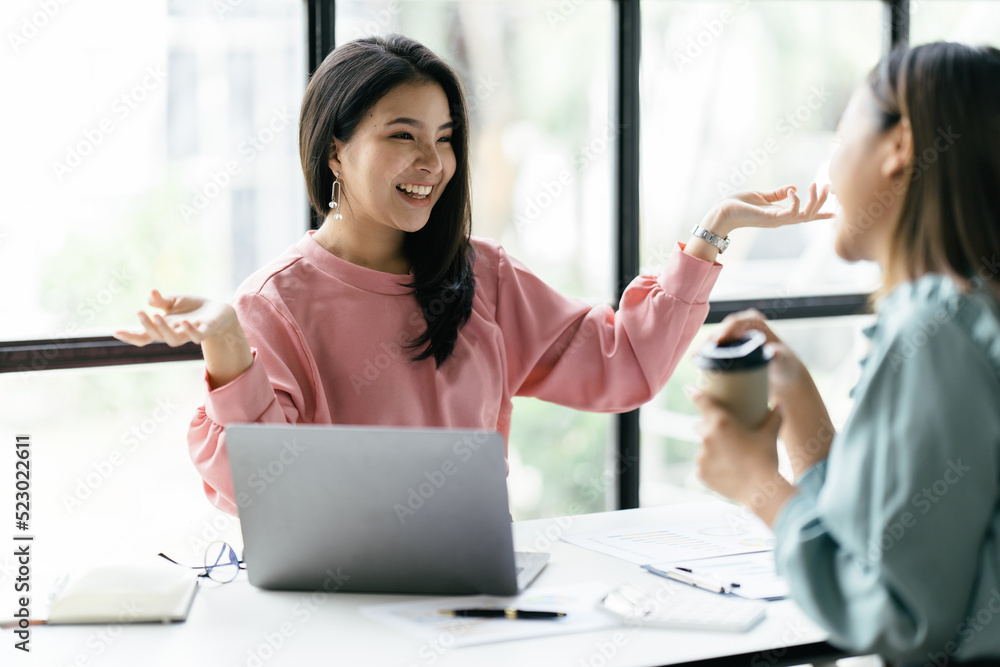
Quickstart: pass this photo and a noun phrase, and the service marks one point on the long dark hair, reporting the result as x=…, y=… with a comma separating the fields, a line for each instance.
x=346, y=85
x=950, y=219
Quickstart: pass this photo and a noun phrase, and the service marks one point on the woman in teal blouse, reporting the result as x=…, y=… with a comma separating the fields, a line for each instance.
x=890, y=536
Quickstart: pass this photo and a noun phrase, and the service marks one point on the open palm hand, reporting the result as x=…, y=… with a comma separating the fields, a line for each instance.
x=186, y=318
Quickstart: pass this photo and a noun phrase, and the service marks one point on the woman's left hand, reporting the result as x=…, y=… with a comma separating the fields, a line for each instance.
x=756, y=209
x=760, y=209
x=739, y=462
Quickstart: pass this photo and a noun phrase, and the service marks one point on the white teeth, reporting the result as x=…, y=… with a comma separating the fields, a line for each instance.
x=415, y=189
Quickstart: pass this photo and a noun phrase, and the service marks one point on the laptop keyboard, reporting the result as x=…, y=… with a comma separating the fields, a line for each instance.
x=527, y=565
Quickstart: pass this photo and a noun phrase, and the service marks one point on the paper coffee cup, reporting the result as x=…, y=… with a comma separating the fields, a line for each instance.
x=734, y=373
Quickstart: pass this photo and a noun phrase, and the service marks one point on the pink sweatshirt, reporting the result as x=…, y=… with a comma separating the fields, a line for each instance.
x=327, y=339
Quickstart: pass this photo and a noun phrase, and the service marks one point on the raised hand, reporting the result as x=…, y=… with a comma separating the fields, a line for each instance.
x=185, y=319
x=211, y=324
x=757, y=209
x=760, y=209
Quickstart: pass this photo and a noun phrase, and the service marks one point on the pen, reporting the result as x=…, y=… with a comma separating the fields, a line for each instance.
x=689, y=570
x=686, y=576
x=510, y=612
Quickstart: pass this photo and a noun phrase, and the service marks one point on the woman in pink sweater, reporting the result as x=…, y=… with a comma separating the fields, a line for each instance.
x=390, y=314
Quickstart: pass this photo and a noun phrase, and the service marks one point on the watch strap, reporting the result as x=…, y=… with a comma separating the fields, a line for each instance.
x=716, y=240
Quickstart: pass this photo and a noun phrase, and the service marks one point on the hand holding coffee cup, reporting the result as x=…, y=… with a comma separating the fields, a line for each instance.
x=734, y=373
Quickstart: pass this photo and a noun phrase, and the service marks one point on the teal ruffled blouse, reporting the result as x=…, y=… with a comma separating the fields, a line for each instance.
x=893, y=542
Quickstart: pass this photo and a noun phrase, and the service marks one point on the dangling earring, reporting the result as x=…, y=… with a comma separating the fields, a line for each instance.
x=335, y=196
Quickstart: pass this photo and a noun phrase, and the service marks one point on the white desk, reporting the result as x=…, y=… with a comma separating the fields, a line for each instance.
x=239, y=625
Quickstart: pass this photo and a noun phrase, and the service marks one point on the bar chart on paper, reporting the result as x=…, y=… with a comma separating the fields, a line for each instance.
x=682, y=541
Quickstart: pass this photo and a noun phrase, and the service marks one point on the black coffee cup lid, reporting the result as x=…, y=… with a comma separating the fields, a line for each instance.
x=739, y=354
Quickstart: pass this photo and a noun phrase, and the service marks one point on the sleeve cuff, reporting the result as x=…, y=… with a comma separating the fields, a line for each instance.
x=798, y=511
x=798, y=520
x=688, y=278
x=244, y=399
x=794, y=516
x=812, y=480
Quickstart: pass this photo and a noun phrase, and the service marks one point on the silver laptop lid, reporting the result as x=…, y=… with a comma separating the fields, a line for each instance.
x=375, y=509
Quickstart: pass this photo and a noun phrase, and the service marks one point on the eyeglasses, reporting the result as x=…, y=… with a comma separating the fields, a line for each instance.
x=221, y=563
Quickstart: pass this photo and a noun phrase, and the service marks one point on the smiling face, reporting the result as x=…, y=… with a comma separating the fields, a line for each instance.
x=398, y=162
x=867, y=171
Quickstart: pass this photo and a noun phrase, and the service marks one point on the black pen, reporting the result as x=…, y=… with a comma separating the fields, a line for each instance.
x=510, y=612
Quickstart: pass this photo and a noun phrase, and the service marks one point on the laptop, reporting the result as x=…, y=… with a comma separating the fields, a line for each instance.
x=376, y=509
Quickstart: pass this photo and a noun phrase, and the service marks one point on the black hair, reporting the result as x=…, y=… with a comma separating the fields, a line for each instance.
x=346, y=85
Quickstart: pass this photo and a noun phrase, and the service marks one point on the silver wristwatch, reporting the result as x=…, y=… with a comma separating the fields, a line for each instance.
x=717, y=241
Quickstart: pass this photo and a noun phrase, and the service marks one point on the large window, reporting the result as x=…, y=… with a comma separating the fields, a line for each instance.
x=148, y=145
x=145, y=145
x=154, y=145
x=746, y=95
x=735, y=96
x=955, y=20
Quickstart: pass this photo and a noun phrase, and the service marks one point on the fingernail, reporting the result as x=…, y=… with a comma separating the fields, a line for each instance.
x=690, y=390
